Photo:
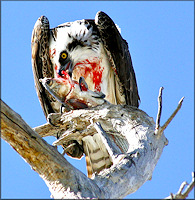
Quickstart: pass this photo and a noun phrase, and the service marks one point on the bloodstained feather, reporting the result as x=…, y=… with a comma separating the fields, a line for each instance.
x=95, y=70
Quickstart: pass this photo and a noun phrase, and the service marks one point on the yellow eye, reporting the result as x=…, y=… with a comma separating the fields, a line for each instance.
x=63, y=55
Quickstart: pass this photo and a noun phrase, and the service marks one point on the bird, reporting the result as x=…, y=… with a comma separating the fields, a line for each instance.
x=89, y=48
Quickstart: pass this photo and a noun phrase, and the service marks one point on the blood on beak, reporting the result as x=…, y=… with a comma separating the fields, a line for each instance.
x=68, y=68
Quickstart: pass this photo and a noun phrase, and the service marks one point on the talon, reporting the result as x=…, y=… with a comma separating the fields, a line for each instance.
x=68, y=147
x=49, y=120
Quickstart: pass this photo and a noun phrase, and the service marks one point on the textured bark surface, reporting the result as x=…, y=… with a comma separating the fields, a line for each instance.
x=132, y=166
x=62, y=179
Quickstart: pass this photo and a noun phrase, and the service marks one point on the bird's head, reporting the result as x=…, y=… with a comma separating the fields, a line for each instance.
x=72, y=43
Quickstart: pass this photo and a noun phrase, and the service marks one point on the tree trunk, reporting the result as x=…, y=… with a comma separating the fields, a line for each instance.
x=129, y=134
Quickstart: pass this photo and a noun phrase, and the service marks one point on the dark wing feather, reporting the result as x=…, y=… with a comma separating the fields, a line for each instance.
x=119, y=56
x=41, y=63
x=42, y=67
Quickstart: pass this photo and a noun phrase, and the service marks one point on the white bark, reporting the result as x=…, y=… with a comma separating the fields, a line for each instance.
x=141, y=143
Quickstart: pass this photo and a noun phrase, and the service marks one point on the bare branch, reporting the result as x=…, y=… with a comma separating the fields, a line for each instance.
x=184, y=195
x=159, y=109
x=173, y=115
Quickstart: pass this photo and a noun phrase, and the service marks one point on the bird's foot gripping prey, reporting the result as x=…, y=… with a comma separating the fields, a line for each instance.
x=82, y=64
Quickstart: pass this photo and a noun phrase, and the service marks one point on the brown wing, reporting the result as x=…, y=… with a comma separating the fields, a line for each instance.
x=119, y=56
x=42, y=67
x=41, y=64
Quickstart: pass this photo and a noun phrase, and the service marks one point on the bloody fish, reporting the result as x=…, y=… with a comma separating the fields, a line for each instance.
x=71, y=94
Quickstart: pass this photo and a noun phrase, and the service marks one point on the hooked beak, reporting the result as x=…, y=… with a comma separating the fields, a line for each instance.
x=68, y=68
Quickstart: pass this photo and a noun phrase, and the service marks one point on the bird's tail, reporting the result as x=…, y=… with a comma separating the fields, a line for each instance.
x=96, y=154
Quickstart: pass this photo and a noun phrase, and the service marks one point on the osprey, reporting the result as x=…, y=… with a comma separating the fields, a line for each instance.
x=91, y=50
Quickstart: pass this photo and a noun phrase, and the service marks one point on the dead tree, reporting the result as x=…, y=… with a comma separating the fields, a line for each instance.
x=134, y=142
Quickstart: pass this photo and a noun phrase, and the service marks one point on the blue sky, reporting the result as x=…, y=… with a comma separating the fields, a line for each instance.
x=160, y=35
